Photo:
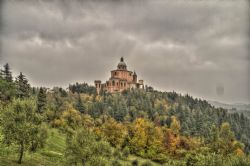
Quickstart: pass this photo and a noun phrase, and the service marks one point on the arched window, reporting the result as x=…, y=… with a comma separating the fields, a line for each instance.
x=113, y=83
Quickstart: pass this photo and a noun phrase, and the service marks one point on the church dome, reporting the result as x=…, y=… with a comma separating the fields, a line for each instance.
x=122, y=64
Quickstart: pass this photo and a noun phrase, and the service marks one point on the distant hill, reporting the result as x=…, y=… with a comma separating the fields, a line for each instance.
x=232, y=108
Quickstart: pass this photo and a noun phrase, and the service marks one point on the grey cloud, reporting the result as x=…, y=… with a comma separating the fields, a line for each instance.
x=187, y=46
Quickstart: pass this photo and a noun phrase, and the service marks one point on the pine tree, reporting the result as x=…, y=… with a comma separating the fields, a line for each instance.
x=23, y=87
x=41, y=100
x=79, y=105
x=1, y=74
x=6, y=73
x=120, y=110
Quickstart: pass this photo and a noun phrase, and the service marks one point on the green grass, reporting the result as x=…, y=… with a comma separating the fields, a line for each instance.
x=51, y=155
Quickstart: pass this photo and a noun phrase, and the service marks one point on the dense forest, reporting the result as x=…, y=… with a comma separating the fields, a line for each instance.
x=76, y=126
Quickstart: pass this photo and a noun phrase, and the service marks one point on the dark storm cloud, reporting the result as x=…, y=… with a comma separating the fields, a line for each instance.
x=192, y=47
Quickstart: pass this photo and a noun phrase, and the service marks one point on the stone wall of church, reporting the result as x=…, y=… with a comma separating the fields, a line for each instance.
x=116, y=85
x=122, y=74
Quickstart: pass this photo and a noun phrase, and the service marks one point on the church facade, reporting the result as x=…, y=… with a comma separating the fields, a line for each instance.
x=121, y=79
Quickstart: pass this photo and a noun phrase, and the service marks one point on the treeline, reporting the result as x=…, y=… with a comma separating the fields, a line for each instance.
x=105, y=129
x=82, y=88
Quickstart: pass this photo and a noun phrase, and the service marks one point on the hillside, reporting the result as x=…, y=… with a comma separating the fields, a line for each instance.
x=41, y=126
x=52, y=154
x=233, y=108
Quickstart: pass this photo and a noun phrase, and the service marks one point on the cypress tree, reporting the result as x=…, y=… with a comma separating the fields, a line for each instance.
x=41, y=100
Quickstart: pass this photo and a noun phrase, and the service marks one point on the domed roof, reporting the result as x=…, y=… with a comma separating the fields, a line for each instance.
x=122, y=64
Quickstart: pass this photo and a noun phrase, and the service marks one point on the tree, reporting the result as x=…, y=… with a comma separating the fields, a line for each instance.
x=83, y=147
x=82, y=88
x=6, y=73
x=213, y=138
x=171, y=140
x=7, y=90
x=227, y=141
x=114, y=132
x=38, y=138
x=1, y=74
x=20, y=124
x=7, y=87
x=172, y=136
x=79, y=105
x=72, y=118
x=145, y=139
x=175, y=125
x=120, y=109
x=23, y=87
x=41, y=100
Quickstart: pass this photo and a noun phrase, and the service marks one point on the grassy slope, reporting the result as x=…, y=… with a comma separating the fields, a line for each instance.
x=51, y=155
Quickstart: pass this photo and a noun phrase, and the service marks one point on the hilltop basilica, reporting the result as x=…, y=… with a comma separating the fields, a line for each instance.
x=121, y=79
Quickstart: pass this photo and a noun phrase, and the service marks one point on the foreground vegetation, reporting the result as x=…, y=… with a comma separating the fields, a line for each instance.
x=39, y=126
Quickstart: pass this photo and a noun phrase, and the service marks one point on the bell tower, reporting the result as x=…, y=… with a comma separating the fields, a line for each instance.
x=98, y=86
x=134, y=77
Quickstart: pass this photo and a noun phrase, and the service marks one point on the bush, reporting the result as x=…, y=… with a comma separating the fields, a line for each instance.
x=116, y=163
x=117, y=154
x=135, y=162
x=174, y=162
x=126, y=152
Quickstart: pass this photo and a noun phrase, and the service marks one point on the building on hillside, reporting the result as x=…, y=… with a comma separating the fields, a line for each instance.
x=121, y=79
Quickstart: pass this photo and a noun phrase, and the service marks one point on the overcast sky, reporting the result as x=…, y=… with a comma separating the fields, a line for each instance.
x=190, y=46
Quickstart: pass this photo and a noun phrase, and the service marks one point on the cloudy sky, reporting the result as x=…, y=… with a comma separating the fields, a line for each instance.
x=190, y=46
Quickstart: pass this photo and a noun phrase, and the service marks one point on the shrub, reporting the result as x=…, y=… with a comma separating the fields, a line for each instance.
x=126, y=152
x=135, y=162
x=117, y=154
x=116, y=163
